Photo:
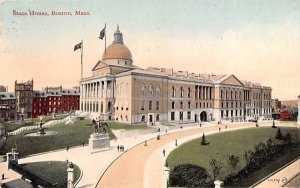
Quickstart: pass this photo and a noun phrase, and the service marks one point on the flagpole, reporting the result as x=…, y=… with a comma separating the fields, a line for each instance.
x=81, y=59
x=105, y=39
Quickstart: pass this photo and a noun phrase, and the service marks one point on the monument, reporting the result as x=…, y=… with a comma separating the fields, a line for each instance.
x=99, y=140
x=298, y=119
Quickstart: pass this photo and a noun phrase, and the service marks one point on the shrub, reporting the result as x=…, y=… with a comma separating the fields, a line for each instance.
x=216, y=167
x=279, y=134
x=188, y=175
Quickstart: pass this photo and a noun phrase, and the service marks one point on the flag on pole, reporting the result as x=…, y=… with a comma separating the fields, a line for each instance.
x=77, y=46
x=102, y=33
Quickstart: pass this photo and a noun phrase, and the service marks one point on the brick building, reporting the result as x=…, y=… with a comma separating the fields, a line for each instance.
x=54, y=100
x=23, y=93
x=7, y=106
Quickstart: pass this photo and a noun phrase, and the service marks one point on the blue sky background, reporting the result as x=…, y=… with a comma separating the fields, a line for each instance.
x=223, y=37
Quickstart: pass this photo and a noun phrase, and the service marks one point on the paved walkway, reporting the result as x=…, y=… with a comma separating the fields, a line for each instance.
x=152, y=174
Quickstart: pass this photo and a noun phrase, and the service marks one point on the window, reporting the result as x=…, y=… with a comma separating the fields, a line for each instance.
x=196, y=105
x=150, y=90
x=188, y=115
x=222, y=113
x=173, y=104
x=189, y=92
x=143, y=119
x=142, y=105
x=173, y=92
x=157, y=117
x=222, y=105
x=157, y=105
x=172, y=116
x=181, y=105
x=181, y=92
x=181, y=115
x=150, y=105
x=189, y=105
x=157, y=91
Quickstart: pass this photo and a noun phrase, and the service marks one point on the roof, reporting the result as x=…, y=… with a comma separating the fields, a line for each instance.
x=45, y=94
x=7, y=95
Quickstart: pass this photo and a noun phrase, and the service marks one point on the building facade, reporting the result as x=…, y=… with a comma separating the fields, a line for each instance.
x=118, y=90
x=3, y=88
x=55, y=100
x=7, y=106
x=23, y=93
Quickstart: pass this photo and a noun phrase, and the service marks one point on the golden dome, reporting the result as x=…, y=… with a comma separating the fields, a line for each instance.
x=117, y=51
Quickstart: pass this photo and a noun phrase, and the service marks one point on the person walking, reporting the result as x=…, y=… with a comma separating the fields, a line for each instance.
x=68, y=148
x=176, y=142
x=219, y=129
x=164, y=152
x=118, y=147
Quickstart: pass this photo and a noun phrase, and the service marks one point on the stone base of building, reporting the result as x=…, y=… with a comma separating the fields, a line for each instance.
x=99, y=142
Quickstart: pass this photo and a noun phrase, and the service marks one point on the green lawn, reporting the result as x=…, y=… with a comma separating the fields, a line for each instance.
x=53, y=171
x=224, y=144
x=67, y=135
x=117, y=126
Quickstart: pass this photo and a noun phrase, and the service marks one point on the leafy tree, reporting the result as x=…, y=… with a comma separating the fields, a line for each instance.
x=188, y=175
x=216, y=167
x=287, y=139
x=233, y=161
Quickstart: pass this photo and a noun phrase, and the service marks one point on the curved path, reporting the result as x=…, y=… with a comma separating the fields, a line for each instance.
x=128, y=169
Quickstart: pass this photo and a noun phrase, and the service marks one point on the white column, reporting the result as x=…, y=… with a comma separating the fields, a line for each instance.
x=105, y=89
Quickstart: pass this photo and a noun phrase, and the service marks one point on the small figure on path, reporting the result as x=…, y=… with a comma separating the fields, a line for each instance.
x=164, y=152
x=82, y=144
x=225, y=126
x=68, y=148
x=2, y=176
x=118, y=147
x=181, y=127
x=200, y=125
x=158, y=130
x=145, y=143
x=166, y=131
x=176, y=142
x=219, y=129
x=158, y=137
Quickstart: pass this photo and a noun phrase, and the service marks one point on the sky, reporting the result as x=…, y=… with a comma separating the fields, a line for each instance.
x=257, y=41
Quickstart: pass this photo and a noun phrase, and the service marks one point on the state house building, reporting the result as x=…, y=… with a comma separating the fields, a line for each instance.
x=119, y=90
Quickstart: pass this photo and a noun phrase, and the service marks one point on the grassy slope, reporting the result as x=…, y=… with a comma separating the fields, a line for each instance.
x=117, y=125
x=53, y=171
x=68, y=135
x=221, y=145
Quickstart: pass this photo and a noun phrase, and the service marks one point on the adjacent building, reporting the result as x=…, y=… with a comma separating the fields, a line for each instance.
x=55, y=100
x=23, y=93
x=7, y=106
x=3, y=88
x=119, y=90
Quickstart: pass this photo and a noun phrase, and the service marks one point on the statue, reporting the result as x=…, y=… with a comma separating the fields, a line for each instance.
x=95, y=126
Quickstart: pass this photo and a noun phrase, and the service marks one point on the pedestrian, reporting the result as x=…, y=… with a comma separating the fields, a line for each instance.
x=219, y=129
x=176, y=142
x=164, y=152
x=166, y=131
x=181, y=127
x=122, y=148
x=225, y=126
x=145, y=143
x=118, y=147
x=3, y=176
x=82, y=144
x=68, y=148
x=200, y=124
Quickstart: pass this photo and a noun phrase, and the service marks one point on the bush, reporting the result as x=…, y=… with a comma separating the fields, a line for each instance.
x=279, y=134
x=188, y=175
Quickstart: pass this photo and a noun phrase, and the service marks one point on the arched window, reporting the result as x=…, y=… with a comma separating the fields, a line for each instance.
x=189, y=92
x=157, y=91
x=173, y=104
x=143, y=90
x=173, y=92
x=189, y=104
x=150, y=90
x=181, y=92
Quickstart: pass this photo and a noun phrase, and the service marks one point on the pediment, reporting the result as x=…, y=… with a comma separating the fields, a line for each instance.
x=232, y=80
x=100, y=65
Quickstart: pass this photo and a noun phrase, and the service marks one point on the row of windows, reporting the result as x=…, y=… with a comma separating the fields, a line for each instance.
x=180, y=115
x=181, y=92
x=149, y=90
x=149, y=105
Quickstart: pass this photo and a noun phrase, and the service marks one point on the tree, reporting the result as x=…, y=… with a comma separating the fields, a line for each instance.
x=279, y=134
x=287, y=139
x=188, y=175
x=203, y=140
x=216, y=167
x=233, y=161
x=285, y=115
